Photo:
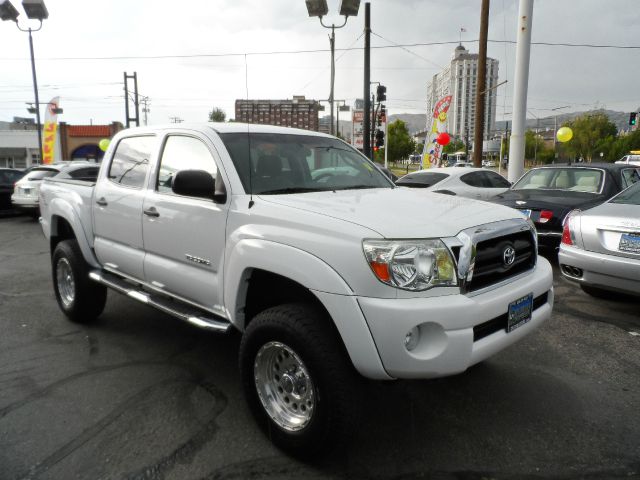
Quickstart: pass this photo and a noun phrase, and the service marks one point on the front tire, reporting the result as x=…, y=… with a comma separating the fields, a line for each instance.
x=298, y=380
x=80, y=299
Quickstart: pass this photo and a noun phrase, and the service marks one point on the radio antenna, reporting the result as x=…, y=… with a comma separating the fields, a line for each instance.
x=246, y=87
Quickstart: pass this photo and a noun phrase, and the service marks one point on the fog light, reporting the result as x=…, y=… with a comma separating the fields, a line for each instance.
x=411, y=339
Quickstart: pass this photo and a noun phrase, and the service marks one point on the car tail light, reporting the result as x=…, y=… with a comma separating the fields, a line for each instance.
x=545, y=216
x=570, y=228
x=566, y=234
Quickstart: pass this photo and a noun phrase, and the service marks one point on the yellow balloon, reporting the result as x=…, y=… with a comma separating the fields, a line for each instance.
x=104, y=144
x=564, y=134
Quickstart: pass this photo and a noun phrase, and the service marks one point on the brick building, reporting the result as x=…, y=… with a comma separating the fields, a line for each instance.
x=297, y=113
x=79, y=142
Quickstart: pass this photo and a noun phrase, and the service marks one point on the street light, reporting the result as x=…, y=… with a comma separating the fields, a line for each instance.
x=35, y=10
x=319, y=8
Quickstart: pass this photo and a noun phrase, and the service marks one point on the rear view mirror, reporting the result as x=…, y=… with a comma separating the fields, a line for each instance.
x=200, y=184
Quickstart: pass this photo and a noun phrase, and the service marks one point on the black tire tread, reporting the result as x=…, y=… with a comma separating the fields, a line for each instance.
x=90, y=297
x=323, y=349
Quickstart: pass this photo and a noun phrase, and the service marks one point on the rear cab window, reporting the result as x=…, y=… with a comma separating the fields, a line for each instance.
x=422, y=179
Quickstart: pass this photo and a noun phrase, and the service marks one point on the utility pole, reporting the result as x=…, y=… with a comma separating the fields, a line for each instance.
x=366, y=130
x=478, y=134
x=145, y=108
x=523, y=49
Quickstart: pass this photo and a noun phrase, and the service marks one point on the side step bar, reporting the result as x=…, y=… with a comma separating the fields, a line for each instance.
x=194, y=316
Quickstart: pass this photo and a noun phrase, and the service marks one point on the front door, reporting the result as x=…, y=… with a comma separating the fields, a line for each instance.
x=184, y=237
x=117, y=212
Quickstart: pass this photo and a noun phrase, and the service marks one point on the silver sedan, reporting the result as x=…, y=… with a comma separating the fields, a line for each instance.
x=600, y=247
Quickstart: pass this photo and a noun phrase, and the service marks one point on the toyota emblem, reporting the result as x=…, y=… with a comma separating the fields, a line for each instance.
x=508, y=256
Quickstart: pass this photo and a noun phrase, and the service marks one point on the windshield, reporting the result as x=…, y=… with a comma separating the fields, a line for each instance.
x=283, y=163
x=571, y=179
x=631, y=196
x=421, y=180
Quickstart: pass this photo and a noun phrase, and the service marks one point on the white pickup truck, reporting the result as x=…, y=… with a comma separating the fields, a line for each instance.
x=299, y=242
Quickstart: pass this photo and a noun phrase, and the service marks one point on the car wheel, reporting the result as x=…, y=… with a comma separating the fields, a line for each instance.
x=298, y=380
x=79, y=298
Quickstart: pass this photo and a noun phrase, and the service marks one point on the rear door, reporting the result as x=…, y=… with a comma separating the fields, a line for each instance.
x=184, y=237
x=117, y=210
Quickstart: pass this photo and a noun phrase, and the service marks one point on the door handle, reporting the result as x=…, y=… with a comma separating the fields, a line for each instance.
x=102, y=202
x=151, y=212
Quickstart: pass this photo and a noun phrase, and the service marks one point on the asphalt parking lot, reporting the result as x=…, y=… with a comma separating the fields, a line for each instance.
x=139, y=395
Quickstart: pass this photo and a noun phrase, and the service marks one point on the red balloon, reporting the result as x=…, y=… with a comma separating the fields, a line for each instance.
x=443, y=139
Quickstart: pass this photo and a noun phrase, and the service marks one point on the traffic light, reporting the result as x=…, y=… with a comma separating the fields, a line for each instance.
x=381, y=93
x=632, y=118
x=379, y=138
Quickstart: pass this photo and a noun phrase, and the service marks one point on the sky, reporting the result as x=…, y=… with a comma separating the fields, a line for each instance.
x=212, y=52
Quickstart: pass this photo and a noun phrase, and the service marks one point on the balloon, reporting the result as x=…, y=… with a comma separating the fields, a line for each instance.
x=443, y=139
x=564, y=134
x=104, y=144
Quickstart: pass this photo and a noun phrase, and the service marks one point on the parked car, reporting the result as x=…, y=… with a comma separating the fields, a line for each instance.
x=600, y=247
x=630, y=159
x=463, y=164
x=226, y=227
x=489, y=163
x=8, y=178
x=468, y=182
x=25, y=193
x=547, y=194
x=392, y=176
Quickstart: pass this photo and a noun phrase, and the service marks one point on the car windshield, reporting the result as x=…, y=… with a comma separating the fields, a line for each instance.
x=36, y=174
x=421, y=180
x=631, y=196
x=571, y=179
x=284, y=163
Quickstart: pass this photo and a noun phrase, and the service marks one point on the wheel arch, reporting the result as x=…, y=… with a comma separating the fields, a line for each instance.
x=65, y=225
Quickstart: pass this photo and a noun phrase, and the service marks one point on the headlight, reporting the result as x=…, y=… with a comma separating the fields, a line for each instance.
x=411, y=264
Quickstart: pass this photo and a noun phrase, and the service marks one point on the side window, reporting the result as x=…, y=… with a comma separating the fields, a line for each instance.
x=183, y=153
x=131, y=161
x=630, y=176
x=473, y=179
x=496, y=180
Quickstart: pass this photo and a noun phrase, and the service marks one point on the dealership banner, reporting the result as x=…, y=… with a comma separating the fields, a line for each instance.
x=50, y=131
x=432, y=150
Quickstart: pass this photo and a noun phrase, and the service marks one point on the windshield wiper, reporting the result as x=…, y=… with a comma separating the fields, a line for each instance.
x=292, y=190
x=356, y=187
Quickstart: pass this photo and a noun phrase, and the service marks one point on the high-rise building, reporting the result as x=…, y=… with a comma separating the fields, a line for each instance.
x=297, y=113
x=459, y=80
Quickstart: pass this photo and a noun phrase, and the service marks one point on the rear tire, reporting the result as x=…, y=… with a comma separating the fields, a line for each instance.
x=80, y=299
x=298, y=380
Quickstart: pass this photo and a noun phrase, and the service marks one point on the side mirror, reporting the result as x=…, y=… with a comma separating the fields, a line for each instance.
x=200, y=184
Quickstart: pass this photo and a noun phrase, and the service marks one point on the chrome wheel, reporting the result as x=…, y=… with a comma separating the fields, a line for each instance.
x=66, y=284
x=284, y=386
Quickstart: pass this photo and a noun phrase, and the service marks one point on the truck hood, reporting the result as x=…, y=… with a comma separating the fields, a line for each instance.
x=398, y=212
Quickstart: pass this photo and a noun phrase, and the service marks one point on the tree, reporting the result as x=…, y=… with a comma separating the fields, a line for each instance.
x=588, y=131
x=400, y=143
x=217, y=115
x=454, y=146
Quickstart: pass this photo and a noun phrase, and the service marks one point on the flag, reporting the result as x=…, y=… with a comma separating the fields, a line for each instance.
x=431, y=152
x=50, y=131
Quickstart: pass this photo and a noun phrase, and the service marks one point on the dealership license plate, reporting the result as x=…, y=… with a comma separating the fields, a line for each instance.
x=26, y=191
x=526, y=213
x=630, y=242
x=519, y=312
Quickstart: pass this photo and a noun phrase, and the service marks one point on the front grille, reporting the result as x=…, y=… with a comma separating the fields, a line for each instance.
x=500, y=323
x=490, y=267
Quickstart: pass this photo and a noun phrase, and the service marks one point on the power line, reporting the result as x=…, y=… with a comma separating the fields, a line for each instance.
x=294, y=52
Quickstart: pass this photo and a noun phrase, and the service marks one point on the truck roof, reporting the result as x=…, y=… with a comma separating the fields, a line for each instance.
x=231, y=127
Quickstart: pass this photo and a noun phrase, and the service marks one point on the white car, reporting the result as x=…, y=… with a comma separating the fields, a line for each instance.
x=26, y=190
x=631, y=159
x=465, y=182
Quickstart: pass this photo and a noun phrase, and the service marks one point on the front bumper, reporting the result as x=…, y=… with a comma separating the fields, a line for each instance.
x=446, y=324
x=610, y=272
